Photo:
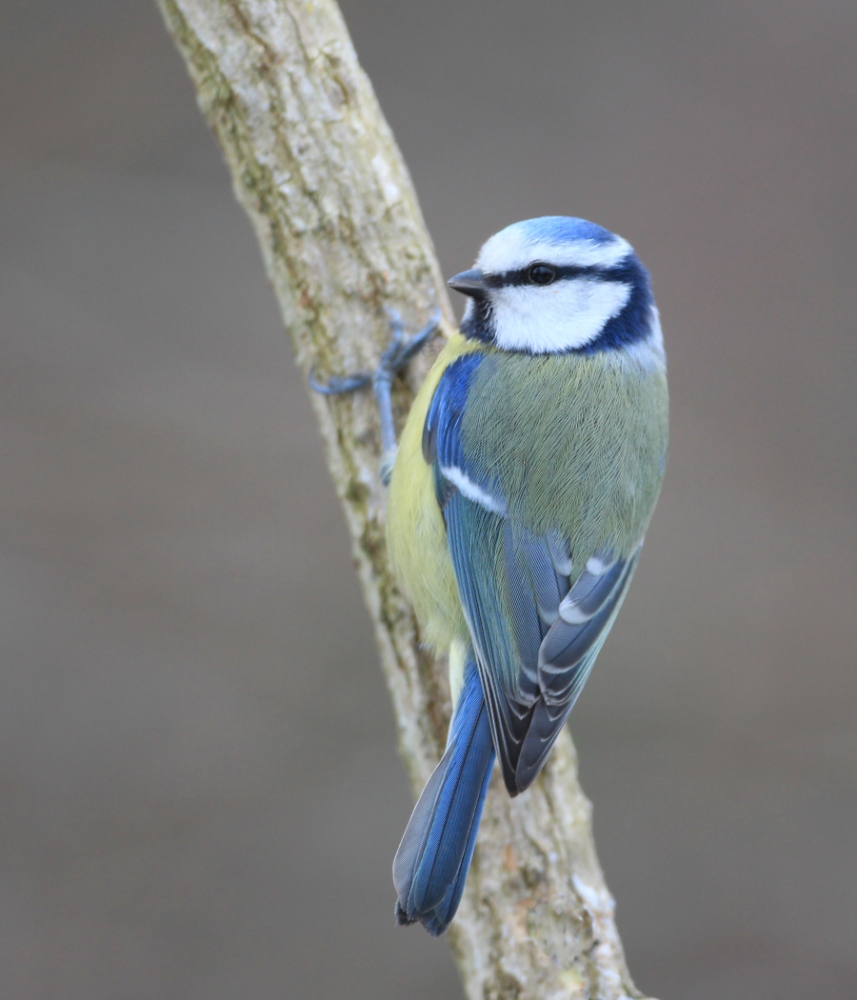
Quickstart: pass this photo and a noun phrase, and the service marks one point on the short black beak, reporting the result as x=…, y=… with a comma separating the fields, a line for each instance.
x=470, y=283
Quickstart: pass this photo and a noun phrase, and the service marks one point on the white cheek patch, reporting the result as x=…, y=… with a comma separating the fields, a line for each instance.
x=564, y=316
x=510, y=250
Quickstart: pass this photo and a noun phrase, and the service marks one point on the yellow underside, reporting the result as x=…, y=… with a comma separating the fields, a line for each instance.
x=416, y=534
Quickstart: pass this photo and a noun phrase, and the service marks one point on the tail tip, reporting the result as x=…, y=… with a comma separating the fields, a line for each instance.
x=402, y=919
x=430, y=921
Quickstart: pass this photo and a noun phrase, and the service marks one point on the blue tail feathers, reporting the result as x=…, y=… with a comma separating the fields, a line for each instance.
x=431, y=863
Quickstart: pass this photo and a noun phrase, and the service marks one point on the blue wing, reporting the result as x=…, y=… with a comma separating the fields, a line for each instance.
x=535, y=635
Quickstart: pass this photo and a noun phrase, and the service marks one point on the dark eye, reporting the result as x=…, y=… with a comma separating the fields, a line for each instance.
x=541, y=274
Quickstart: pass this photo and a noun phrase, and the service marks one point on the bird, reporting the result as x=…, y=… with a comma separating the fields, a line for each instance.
x=521, y=490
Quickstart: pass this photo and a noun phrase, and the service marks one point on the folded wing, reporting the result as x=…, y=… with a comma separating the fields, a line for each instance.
x=535, y=633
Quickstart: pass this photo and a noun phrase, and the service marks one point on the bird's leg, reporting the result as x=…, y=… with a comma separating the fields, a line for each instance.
x=393, y=360
x=400, y=351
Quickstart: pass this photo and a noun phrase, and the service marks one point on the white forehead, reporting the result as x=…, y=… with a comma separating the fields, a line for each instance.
x=517, y=247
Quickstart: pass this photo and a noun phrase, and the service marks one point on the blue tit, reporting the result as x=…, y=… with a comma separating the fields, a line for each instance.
x=523, y=484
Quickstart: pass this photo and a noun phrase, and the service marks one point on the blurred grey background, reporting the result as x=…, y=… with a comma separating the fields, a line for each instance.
x=200, y=790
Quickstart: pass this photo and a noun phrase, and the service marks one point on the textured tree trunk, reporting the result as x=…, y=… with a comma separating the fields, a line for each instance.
x=316, y=168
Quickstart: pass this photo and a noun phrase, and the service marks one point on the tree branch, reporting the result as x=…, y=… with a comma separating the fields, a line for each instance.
x=316, y=168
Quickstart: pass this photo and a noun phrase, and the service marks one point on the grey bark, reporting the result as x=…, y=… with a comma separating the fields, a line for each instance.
x=316, y=168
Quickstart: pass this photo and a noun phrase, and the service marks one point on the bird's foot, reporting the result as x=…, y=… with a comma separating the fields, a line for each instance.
x=394, y=359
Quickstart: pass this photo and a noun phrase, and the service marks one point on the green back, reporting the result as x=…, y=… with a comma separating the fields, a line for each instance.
x=578, y=443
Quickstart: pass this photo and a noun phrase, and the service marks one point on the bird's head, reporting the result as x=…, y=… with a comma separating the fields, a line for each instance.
x=557, y=285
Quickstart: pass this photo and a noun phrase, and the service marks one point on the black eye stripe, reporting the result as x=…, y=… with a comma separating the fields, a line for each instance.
x=521, y=276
